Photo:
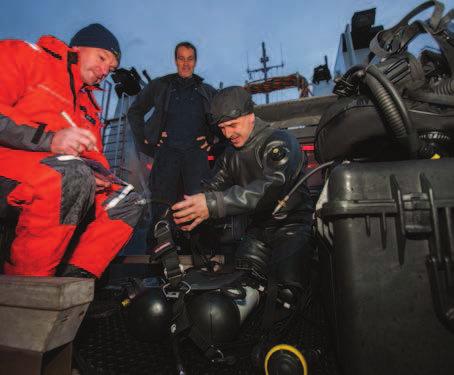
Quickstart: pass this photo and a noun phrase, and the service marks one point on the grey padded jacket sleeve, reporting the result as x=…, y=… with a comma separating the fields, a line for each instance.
x=24, y=137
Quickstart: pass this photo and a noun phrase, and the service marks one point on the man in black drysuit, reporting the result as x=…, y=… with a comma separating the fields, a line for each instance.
x=177, y=133
x=259, y=169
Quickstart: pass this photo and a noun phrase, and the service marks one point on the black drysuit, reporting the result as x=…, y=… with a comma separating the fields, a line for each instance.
x=250, y=180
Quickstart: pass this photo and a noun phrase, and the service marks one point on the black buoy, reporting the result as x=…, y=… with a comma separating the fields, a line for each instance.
x=148, y=315
x=215, y=317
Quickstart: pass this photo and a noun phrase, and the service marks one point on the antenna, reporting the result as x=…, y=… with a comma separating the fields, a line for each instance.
x=282, y=59
x=263, y=60
x=247, y=69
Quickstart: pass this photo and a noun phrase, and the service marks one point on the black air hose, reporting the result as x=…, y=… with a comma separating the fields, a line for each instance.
x=388, y=98
x=444, y=87
x=393, y=108
x=387, y=107
x=442, y=93
x=392, y=91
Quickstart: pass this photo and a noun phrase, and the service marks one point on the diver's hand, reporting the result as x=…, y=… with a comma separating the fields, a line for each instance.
x=193, y=207
x=73, y=141
x=205, y=145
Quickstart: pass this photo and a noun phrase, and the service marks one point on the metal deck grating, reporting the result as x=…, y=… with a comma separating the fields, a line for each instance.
x=105, y=347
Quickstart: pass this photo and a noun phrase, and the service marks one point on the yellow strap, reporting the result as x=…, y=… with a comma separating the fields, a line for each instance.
x=289, y=348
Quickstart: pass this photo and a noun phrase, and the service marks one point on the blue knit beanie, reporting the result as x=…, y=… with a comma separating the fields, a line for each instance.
x=96, y=35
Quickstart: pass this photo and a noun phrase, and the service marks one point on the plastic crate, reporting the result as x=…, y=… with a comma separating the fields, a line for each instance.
x=386, y=240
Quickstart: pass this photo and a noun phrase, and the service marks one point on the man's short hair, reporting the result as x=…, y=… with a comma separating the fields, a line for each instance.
x=187, y=45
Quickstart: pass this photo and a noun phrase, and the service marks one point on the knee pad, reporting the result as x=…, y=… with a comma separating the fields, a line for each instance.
x=253, y=255
x=129, y=209
x=77, y=187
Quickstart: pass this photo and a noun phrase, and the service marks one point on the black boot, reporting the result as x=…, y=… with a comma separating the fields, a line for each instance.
x=72, y=271
x=101, y=306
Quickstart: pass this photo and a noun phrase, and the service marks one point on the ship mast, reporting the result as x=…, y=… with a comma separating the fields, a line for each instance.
x=263, y=60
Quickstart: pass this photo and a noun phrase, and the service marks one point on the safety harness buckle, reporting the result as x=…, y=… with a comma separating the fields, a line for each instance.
x=171, y=276
x=175, y=294
x=217, y=356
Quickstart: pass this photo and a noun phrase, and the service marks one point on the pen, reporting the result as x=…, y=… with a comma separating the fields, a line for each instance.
x=70, y=121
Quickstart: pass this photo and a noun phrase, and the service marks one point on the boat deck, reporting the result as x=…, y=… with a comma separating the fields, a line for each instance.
x=104, y=346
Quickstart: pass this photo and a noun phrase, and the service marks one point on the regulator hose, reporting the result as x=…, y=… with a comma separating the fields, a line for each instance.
x=283, y=202
x=390, y=103
x=386, y=107
x=442, y=93
x=445, y=87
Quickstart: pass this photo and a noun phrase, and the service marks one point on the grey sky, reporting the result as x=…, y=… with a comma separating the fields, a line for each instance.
x=225, y=32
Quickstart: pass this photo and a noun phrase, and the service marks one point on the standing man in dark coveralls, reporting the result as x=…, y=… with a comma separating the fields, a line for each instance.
x=177, y=133
x=259, y=169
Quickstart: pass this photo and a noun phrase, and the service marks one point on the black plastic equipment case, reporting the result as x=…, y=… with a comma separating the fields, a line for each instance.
x=386, y=238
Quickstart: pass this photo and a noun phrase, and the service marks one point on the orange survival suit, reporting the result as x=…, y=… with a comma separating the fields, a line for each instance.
x=38, y=83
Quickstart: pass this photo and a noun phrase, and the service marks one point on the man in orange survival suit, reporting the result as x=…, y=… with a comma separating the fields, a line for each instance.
x=49, y=117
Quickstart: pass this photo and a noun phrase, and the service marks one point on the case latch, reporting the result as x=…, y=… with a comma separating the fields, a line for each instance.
x=416, y=213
